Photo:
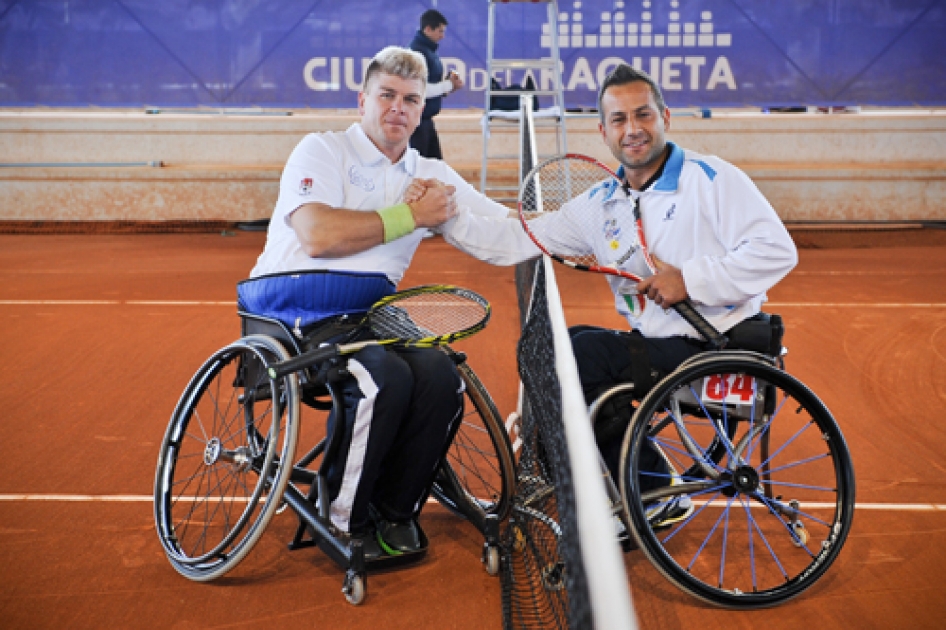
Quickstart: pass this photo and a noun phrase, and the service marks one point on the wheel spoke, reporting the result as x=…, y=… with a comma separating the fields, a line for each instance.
x=755, y=524
x=750, y=536
x=722, y=437
x=709, y=535
x=780, y=510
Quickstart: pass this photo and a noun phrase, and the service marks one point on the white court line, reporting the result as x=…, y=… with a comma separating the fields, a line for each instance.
x=57, y=302
x=233, y=303
x=895, y=272
x=857, y=304
x=108, y=498
x=118, y=498
x=177, y=303
x=881, y=507
x=114, y=303
x=147, y=498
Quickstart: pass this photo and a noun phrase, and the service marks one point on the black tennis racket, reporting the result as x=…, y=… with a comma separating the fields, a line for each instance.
x=421, y=317
x=560, y=206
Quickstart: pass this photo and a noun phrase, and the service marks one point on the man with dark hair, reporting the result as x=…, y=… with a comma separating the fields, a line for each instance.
x=714, y=239
x=433, y=28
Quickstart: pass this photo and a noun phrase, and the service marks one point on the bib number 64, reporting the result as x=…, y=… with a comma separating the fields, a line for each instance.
x=729, y=388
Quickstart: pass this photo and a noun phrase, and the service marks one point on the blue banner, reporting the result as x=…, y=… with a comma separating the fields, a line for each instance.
x=312, y=53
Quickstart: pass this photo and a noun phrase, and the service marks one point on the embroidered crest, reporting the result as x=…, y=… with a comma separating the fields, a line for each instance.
x=305, y=186
x=359, y=180
x=612, y=231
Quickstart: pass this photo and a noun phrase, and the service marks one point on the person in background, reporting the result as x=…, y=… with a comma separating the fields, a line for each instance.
x=433, y=28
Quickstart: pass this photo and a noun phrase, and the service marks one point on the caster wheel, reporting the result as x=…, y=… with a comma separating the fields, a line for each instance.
x=491, y=559
x=799, y=529
x=354, y=589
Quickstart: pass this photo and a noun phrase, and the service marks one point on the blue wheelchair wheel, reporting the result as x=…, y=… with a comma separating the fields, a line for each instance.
x=737, y=482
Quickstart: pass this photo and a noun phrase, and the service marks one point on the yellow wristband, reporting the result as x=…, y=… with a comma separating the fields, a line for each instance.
x=398, y=221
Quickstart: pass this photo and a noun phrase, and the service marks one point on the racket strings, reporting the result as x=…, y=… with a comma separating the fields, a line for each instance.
x=428, y=316
x=576, y=187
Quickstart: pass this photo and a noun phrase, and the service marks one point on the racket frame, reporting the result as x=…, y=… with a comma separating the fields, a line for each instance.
x=331, y=351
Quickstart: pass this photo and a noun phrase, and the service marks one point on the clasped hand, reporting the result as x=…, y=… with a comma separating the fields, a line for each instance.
x=432, y=202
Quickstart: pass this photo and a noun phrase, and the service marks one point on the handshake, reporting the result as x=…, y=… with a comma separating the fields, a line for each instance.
x=432, y=202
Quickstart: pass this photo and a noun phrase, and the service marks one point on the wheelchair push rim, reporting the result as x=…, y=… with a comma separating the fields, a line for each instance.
x=219, y=479
x=478, y=475
x=747, y=510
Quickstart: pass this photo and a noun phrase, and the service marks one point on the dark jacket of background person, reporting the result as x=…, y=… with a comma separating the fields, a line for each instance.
x=423, y=44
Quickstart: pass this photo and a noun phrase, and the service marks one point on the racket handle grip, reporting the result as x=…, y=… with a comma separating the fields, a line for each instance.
x=302, y=361
x=706, y=329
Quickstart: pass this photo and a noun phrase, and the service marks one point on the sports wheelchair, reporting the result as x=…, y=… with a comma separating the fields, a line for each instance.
x=226, y=461
x=752, y=496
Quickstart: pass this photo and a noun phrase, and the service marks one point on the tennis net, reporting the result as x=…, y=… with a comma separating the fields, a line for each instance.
x=561, y=517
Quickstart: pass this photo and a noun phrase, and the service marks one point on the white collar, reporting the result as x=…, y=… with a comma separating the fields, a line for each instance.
x=370, y=155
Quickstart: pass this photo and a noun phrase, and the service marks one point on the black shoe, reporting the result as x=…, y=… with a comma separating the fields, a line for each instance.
x=398, y=538
x=369, y=543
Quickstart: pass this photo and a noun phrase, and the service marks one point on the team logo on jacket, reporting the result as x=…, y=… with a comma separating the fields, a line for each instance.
x=612, y=233
x=359, y=180
x=305, y=186
x=670, y=211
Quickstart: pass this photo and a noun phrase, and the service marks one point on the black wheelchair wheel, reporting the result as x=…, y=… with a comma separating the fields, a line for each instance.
x=737, y=482
x=533, y=568
x=220, y=476
x=477, y=478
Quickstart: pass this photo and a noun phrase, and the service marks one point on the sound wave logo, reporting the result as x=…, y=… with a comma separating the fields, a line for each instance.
x=620, y=29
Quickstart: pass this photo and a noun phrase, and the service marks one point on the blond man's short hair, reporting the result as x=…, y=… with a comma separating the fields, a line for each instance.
x=399, y=62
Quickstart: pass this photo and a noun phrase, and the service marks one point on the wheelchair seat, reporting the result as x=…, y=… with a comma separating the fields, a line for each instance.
x=252, y=324
x=314, y=393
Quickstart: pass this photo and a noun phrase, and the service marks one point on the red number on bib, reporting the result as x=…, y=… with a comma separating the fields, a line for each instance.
x=730, y=388
x=742, y=387
x=714, y=388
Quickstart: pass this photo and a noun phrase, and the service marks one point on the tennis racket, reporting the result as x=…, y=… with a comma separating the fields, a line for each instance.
x=421, y=317
x=560, y=203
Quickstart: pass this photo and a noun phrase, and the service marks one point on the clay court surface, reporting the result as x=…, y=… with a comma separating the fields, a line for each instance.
x=102, y=332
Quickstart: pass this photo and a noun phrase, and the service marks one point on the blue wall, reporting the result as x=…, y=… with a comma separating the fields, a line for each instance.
x=309, y=53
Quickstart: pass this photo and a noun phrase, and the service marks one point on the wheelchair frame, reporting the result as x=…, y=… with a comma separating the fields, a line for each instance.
x=220, y=477
x=741, y=462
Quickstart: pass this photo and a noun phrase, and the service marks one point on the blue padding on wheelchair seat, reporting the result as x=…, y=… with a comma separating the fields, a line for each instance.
x=301, y=298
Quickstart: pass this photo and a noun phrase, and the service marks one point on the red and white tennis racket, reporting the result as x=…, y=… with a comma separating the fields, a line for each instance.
x=561, y=204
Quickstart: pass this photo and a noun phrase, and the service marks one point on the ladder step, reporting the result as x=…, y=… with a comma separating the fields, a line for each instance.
x=506, y=92
x=518, y=64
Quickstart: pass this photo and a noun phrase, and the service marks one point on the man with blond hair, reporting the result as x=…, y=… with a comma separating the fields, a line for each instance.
x=353, y=207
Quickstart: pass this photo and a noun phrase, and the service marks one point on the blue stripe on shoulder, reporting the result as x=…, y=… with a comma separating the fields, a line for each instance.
x=670, y=179
x=608, y=186
x=706, y=169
